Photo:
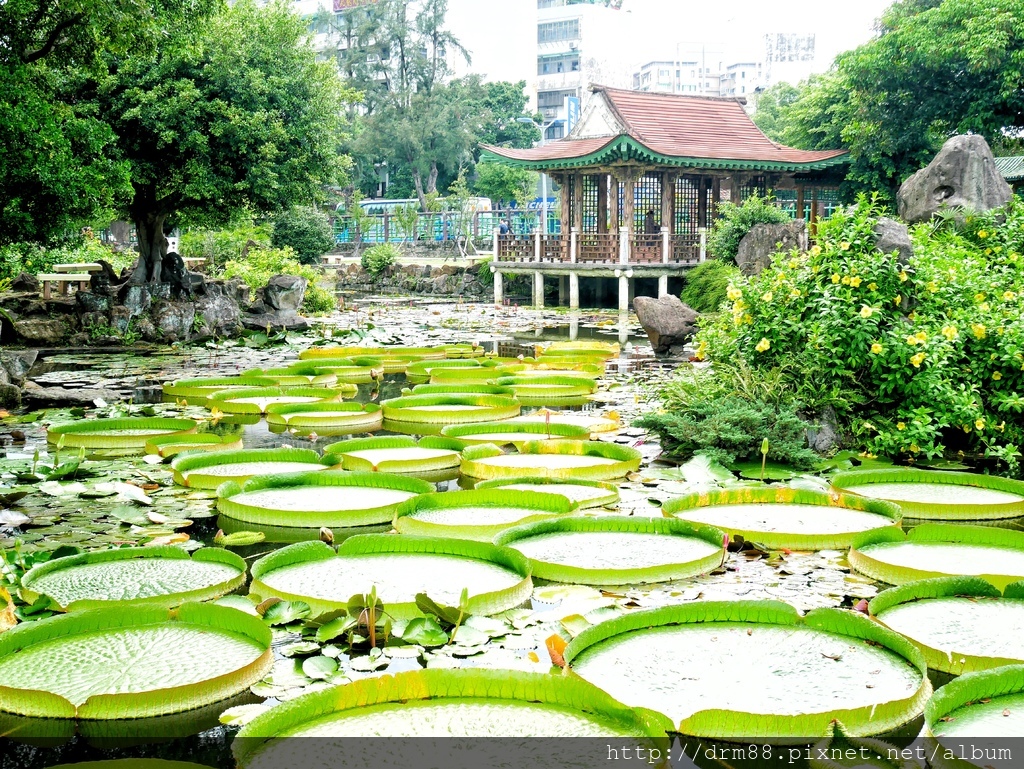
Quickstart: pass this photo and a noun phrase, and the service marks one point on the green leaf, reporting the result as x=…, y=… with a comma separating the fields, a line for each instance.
x=239, y=538
x=319, y=668
x=285, y=612
x=424, y=631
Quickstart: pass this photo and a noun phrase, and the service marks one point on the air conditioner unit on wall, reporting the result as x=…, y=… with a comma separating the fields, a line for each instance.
x=573, y=46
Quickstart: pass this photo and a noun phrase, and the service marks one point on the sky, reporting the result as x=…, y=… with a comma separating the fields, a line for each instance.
x=501, y=36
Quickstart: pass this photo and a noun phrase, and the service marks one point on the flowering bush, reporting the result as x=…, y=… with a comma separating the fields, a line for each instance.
x=918, y=359
x=261, y=264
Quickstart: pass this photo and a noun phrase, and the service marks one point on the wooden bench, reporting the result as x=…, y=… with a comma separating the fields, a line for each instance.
x=63, y=280
x=193, y=261
x=78, y=267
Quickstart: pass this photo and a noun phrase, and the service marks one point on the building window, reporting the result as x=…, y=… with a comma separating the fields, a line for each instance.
x=553, y=99
x=558, y=31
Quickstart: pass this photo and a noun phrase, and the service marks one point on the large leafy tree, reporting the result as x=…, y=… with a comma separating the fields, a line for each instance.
x=239, y=115
x=936, y=68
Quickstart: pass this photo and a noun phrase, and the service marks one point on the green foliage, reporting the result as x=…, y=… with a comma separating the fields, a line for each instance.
x=377, y=259
x=504, y=103
x=35, y=259
x=504, y=184
x=770, y=107
x=918, y=360
x=306, y=230
x=261, y=264
x=220, y=246
x=727, y=414
x=706, y=285
x=736, y=220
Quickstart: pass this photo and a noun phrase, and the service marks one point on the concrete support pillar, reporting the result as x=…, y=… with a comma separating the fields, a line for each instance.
x=538, y=290
x=574, y=245
x=624, y=245
x=666, y=246
x=563, y=290
x=662, y=286
x=497, y=238
x=499, y=289
x=574, y=291
x=536, y=246
x=623, y=294
x=703, y=245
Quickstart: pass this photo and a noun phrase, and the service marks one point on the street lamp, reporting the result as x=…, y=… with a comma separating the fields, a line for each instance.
x=543, y=176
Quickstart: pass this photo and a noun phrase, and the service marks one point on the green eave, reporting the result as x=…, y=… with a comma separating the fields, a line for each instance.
x=626, y=148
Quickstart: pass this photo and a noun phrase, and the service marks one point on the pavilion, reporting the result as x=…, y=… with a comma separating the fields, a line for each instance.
x=641, y=175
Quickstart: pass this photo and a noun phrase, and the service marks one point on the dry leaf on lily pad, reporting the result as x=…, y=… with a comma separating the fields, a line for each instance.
x=7, y=618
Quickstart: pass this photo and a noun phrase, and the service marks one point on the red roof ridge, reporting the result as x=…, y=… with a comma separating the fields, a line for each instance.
x=595, y=88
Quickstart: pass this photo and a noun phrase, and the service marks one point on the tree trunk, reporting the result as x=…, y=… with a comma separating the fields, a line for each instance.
x=432, y=179
x=149, y=228
x=417, y=179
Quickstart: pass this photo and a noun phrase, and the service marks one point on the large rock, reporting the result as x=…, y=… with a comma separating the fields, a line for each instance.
x=35, y=396
x=285, y=293
x=220, y=314
x=17, y=363
x=763, y=241
x=963, y=174
x=173, y=320
x=40, y=331
x=10, y=395
x=25, y=282
x=667, y=321
x=137, y=298
x=891, y=236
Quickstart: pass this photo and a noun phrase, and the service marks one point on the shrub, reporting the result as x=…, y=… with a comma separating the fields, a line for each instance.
x=34, y=259
x=219, y=247
x=725, y=415
x=261, y=264
x=377, y=259
x=917, y=359
x=707, y=284
x=306, y=231
x=735, y=221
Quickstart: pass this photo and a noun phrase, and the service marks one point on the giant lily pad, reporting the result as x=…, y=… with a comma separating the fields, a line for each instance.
x=128, y=433
x=406, y=353
x=354, y=417
x=255, y=400
x=585, y=494
x=595, y=423
x=549, y=390
x=496, y=578
x=470, y=388
x=616, y=550
x=479, y=515
x=199, y=389
x=449, y=704
x=345, y=369
x=779, y=517
x=967, y=721
x=940, y=550
x=169, y=445
x=208, y=471
x=514, y=431
x=155, y=575
x=590, y=348
x=319, y=499
x=756, y=669
x=301, y=375
x=397, y=454
x=464, y=375
x=575, y=460
x=419, y=372
x=449, y=409
x=960, y=624
x=939, y=495
x=131, y=662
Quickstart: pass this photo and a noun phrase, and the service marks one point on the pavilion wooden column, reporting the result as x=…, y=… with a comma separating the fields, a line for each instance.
x=716, y=195
x=703, y=184
x=577, y=202
x=602, y=203
x=799, y=202
x=564, y=180
x=613, y=203
x=668, y=200
x=629, y=200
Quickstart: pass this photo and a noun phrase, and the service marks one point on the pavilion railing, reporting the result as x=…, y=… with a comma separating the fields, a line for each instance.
x=597, y=247
x=602, y=248
x=516, y=248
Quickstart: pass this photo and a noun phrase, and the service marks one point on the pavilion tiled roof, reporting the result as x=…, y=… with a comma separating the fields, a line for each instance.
x=668, y=129
x=1011, y=167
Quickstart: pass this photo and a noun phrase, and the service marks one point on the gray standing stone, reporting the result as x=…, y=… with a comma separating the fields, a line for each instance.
x=667, y=321
x=88, y=301
x=963, y=174
x=891, y=236
x=763, y=241
x=285, y=293
x=17, y=363
x=221, y=315
x=173, y=320
x=137, y=299
x=25, y=282
x=10, y=395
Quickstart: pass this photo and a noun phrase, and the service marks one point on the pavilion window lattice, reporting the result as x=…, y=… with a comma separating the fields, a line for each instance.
x=687, y=207
x=647, y=197
x=758, y=184
x=588, y=203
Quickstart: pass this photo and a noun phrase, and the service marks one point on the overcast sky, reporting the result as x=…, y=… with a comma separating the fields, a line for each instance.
x=502, y=35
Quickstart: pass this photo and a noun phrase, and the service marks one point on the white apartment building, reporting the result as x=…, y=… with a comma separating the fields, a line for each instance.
x=579, y=42
x=693, y=73
x=742, y=79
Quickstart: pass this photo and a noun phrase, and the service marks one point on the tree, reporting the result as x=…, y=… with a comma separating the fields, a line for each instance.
x=505, y=103
x=305, y=230
x=238, y=115
x=770, y=107
x=937, y=68
x=504, y=184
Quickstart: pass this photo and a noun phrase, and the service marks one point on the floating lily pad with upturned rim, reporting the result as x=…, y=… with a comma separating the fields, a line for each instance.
x=255, y=400
x=583, y=460
x=332, y=498
x=616, y=550
x=127, y=433
x=778, y=516
x=980, y=710
x=469, y=388
x=960, y=624
x=208, y=471
x=940, y=550
x=422, y=353
x=548, y=390
x=169, y=445
x=131, y=662
x=419, y=371
x=695, y=663
x=452, y=376
x=478, y=515
x=396, y=454
x=591, y=348
x=937, y=494
x=447, y=704
x=586, y=494
x=359, y=417
x=289, y=377
x=449, y=409
x=288, y=535
x=400, y=567
x=596, y=423
x=514, y=431
x=198, y=389
x=155, y=575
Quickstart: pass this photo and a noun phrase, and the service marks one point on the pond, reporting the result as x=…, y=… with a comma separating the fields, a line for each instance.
x=126, y=498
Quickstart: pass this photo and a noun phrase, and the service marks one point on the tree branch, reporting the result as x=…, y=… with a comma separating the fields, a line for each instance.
x=53, y=39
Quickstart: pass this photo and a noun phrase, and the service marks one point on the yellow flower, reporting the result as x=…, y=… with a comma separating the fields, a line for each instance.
x=997, y=376
x=844, y=246
x=897, y=299
x=949, y=332
x=1001, y=426
x=734, y=293
x=835, y=277
x=979, y=424
x=917, y=360
x=876, y=349
x=914, y=449
x=978, y=329
x=979, y=297
x=846, y=280
x=983, y=307
x=766, y=296
x=795, y=292
x=912, y=340
x=903, y=276
x=873, y=286
x=1013, y=257
x=855, y=281
x=912, y=315
x=901, y=425
x=748, y=318
x=815, y=250
x=932, y=286
x=982, y=234
x=1008, y=295
x=866, y=312
x=967, y=428
x=794, y=263
x=701, y=350
x=921, y=336
x=763, y=345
